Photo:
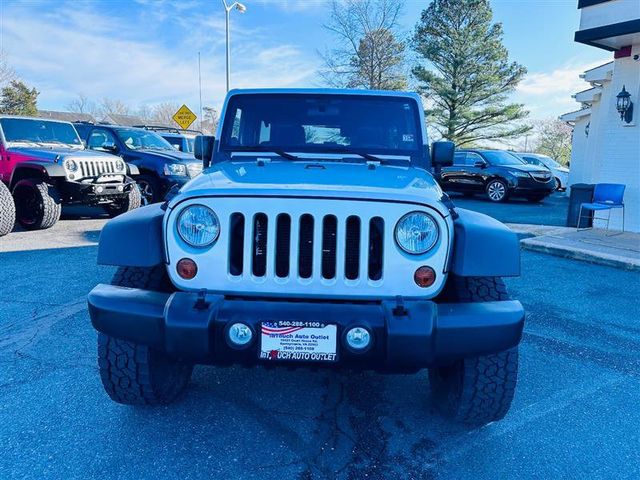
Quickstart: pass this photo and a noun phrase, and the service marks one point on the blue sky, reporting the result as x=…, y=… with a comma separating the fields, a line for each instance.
x=145, y=51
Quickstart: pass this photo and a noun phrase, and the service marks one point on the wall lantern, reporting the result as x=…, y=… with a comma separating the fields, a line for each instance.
x=624, y=105
x=586, y=129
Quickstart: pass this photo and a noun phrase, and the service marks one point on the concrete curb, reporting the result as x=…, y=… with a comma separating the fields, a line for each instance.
x=599, y=258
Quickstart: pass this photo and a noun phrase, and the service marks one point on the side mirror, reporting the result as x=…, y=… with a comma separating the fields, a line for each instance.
x=203, y=149
x=480, y=164
x=109, y=147
x=442, y=153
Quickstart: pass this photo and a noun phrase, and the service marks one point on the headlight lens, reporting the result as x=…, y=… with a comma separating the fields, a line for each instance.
x=120, y=165
x=178, y=169
x=416, y=233
x=198, y=226
x=71, y=165
x=518, y=173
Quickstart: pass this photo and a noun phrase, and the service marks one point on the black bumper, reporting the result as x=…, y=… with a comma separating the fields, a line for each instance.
x=420, y=335
x=95, y=192
x=529, y=186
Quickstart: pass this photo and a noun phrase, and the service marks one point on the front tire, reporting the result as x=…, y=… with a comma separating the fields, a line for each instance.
x=149, y=189
x=7, y=210
x=476, y=390
x=497, y=191
x=132, y=201
x=38, y=204
x=135, y=374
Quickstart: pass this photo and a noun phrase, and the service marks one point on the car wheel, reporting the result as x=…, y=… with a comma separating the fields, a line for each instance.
x=497, y=191
x=38, y=204
x=135, y=374
x=7, y=210
x=132, y=201
x=475, y=390
x=149, y=189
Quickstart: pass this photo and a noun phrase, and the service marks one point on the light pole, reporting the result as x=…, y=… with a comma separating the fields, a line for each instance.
x=227, y=8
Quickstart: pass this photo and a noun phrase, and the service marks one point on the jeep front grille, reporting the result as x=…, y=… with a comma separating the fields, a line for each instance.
x=330, y=255
x=95, y=168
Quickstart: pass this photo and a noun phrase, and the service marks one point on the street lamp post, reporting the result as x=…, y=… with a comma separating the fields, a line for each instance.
x=227, y=8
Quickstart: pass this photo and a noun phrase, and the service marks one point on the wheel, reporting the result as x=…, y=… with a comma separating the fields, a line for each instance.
x=149, y=189
x=130, y=202
x=476, y=390
x=7, y=210
x=536, y=199
x=135, y=374
x=497, y=190
x=38, y=204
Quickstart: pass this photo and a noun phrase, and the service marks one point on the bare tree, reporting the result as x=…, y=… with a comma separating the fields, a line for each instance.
x=554, y=140
x=368, y=53
x=6, y=72
x=110, y=106
x=81, y=104
x=145, y=112
x=163, y=114
x=210, y=120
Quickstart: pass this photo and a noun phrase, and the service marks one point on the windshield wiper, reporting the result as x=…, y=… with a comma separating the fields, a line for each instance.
x=366, y=156
x=277, y=151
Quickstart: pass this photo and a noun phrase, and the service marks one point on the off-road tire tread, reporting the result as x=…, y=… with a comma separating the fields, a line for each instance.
x=7, y=211
x=133, y=201
x=51, y=205
x=126, y=368
x=477, y=289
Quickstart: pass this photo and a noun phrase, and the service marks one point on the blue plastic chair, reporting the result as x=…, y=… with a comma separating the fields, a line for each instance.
x=606, y=196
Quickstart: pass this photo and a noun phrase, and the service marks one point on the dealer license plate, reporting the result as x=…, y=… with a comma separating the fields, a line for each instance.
x=298, y=341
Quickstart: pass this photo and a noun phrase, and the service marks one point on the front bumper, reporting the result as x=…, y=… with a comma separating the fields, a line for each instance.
x=529, y=186
x=96, y=192
x=416, y=335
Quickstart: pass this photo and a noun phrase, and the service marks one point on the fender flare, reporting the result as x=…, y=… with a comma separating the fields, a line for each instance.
x=46, y=170
x=484, y=247
x=133, y=239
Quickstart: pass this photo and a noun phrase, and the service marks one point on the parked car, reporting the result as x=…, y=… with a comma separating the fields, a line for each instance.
x=180, y=139
x=560, y=172
x=7, y=210
x=497, y=173
x=45, y=165
x=161, y=166
x=317, y=238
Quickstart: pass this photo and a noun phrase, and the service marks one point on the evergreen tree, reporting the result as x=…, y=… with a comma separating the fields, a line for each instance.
x=471, y=76
x=18, y=99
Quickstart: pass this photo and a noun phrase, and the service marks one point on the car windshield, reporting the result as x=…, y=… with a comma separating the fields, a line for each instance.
x=322, y=123
x=497, y=157
x=136, y=139
x=37, y=131
x=549, y=162
x=190, y=143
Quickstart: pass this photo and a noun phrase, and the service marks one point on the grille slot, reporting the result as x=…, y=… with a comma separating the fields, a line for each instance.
x=305, y=246
x=95, y=168
x=283, y=245
x=329, y=241
x=259, y=263
x=376, y=242
x=352, y=248
x=236, y=244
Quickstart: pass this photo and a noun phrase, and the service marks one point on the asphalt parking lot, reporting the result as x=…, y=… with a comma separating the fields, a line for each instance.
x=575, y=412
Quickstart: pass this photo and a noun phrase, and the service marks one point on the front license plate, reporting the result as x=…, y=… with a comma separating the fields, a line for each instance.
x=298, y=341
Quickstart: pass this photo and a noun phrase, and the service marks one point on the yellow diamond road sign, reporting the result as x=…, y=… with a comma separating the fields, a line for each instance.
x=184, y=117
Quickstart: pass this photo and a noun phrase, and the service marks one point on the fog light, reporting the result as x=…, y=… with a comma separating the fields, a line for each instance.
x=120, y=188
x=358, y=338
x=424, y=276
x=99, y=189
x=240, y=334
x=187, y=268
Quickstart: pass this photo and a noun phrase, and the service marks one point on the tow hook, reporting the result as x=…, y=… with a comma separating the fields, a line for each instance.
x=399, y=310
x=201, y=303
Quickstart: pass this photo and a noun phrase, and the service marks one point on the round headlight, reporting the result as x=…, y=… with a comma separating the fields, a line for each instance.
x=71, y=165
x=198, y=226
x=119, y=165
x=416, y=233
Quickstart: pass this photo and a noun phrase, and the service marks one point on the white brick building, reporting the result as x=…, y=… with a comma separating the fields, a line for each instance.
x=606, y=148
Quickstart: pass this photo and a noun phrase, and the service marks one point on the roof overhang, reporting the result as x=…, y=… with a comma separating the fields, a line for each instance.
x=609, y=24
x=572, y=117
x=599, y=74
x=588, y=96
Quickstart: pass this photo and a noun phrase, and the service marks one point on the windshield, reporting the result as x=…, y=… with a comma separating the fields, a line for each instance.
x=549, y=162
x=497, y=157
x=135, y=139
x=37, y=131
x=322, y=124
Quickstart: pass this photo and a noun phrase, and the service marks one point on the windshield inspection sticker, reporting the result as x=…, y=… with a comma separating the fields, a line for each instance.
x=407, y=137
x=298, y=341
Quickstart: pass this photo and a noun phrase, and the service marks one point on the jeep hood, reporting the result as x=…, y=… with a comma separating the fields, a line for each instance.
x=56, y=153
x=315, y=179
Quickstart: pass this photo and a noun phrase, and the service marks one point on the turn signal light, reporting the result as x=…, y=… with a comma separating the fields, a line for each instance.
x=187, y=268
x=424, y=276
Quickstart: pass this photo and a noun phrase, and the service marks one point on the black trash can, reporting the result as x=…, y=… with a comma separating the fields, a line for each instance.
x=580, y=193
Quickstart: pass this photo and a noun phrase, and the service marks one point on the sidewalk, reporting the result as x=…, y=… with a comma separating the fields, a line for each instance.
x=620, y=251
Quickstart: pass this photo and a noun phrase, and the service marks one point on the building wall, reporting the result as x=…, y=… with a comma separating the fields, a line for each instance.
x=578, y=172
